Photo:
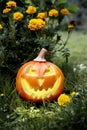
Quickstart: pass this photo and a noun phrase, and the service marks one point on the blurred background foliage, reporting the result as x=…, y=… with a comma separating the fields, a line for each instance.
x=81, y=16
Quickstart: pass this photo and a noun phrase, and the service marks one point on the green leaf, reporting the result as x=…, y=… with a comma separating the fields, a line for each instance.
x=53, y=1
x=42, y=4
x=28, y=1
x=62, y=1
x=73, y=8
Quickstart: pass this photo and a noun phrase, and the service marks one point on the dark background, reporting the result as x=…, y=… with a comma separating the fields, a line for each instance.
x=81, y=16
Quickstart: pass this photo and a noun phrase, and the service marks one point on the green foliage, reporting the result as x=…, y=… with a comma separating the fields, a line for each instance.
x=16, y=113
x=73, y=8
x=19, y=44
x=62, y=1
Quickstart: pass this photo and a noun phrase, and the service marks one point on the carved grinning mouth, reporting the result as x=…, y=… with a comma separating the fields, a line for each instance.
x=40, y=94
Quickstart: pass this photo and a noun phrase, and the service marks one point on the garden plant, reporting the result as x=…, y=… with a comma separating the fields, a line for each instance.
x=27, y=26
x=26, y=29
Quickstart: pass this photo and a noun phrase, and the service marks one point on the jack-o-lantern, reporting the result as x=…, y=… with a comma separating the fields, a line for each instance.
x=39, y=80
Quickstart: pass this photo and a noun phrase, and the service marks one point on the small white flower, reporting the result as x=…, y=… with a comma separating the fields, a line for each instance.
x=74, y=69
x=77, y=94
x=8, y=116
x=82, y=66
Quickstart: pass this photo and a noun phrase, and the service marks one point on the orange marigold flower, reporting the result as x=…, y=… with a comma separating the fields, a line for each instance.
x=70, y=27
x=73, y=93
x=36, y=24
x=18, y=16
x=31, y=10
x=53, y=13
x=41, y=15
x=1, y=95
x=1, y=27
x=11, y=4
x=64, y=11
x=6, y=10
x=63, y=100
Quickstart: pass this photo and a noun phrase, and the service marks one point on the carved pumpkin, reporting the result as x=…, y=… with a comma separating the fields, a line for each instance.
x=39, y=80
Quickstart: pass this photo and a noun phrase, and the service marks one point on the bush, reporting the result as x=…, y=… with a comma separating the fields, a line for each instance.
x=27, y=27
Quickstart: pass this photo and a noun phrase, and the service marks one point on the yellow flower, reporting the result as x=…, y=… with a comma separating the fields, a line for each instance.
x=1, y=27
x=31, y=10
x=36, y=24
x=63, y=100
x=18, y=16
x=70, y=27
x=41, y=15
x=53, y=13
x=11, y=4
x=6, y=10
x=64, y=11
x=73, y=93
x=1, y=95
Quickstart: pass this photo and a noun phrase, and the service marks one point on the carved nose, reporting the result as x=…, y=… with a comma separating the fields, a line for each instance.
x=40, y=81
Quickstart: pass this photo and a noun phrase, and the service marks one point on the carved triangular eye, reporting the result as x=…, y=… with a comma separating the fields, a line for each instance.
x=31, y=71
x=49, y=71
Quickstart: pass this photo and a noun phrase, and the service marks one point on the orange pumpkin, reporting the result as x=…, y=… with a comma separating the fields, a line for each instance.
x=39, y=80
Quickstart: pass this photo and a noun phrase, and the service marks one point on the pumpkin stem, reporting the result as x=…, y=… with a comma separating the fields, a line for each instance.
x=41, y=55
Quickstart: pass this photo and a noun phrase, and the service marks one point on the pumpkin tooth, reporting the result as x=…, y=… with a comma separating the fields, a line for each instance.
x=49, y=90
x=43, y=91
x=38, y=94
x=34, y=93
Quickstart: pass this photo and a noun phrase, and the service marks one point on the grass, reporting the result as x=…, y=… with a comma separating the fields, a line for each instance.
x=18, y=114
x=77, y=45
